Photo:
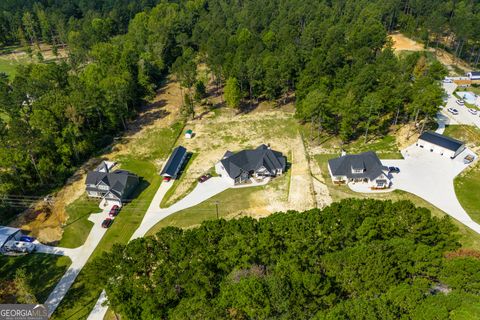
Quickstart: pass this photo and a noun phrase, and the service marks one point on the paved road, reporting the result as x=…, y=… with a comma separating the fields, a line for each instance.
x=430, y=176
x=42, y=248
x=463, y=117
x=99, y=311
x=79, y=259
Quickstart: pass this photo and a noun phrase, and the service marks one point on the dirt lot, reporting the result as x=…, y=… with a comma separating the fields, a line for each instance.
x=403, y=43
x=217, y=132
x=46, y=223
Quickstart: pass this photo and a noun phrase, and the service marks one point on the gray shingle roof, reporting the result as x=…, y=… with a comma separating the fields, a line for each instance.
x=252, y=160
x=441, y=140
x=368, y=161
x=117, y=180
x=174, y=162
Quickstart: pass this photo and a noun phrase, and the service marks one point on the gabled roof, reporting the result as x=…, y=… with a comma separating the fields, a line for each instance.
x=441, y=140
x=474, y=73
x=174, y=162
x=252, y=160
x=368, y=161
x=116, y=180
x=5, y=233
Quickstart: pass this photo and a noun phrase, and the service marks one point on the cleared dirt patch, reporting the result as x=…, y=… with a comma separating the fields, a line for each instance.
x=402, y=43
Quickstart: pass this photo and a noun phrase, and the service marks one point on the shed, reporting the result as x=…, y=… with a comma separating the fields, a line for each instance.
x=438, y=143
x=7, y=234
x=174, y=163
x=189, y=134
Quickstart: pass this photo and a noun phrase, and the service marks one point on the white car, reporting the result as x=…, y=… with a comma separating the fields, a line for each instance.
x=453, y=111
x=472, y=111
x=446, y=80
x=460, y=102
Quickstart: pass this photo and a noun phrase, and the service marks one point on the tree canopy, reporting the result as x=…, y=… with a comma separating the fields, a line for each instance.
x=361, y=259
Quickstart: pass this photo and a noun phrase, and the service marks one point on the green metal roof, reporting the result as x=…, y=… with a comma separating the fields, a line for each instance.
x=189, y=131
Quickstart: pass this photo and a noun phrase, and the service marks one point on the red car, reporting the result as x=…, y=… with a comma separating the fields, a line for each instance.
x=114, y=211
x=166, y=179
x=107, y=223
x=204, y=178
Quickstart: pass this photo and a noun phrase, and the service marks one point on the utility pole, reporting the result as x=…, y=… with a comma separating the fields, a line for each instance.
x=216, y=208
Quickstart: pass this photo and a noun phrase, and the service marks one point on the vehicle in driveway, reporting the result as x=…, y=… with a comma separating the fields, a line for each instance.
x=446, y=80
x=468, y=158
x=460, y=102
x=107, y=223
x=167, y=179
x=472, y=111
x=204, y=178
x=114, y=211
x=393, y=169
x=27, y=239
x=453, y=111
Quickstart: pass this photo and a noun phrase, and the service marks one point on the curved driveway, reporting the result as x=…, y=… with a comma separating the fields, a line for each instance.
x=430, y=176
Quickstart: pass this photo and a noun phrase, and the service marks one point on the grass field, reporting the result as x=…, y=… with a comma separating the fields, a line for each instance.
x=77, y=227
x=468, y=237
x=43, y=270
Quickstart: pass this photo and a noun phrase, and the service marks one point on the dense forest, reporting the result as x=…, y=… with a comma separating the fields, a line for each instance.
x=333, y=57
x=357, y=259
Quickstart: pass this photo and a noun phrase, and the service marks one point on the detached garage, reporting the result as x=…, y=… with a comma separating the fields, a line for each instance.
x=438, y=143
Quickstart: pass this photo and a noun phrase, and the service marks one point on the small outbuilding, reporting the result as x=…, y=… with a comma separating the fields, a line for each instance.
x=189, y=134
x=440, y=144
x=474, y=75
x=174, y=163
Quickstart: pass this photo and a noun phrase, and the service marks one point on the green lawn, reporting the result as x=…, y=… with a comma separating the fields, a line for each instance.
x=468, y=237
x=82, y=296
x=467, y=184
x=77, y=227
x=44, y=271
x=230, y=200
x=8, y=66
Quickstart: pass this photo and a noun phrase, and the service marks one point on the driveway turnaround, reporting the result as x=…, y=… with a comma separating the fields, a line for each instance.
x=463, y=116
x=202, y=192
x=79, y=259
x=430, y=176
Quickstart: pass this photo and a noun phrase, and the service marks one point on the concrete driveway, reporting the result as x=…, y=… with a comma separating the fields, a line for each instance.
x=79, y=257
x=202, y=192
x=430, y=176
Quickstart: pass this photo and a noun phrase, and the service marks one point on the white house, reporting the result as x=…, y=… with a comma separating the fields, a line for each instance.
x=359, y=168
x=440, y=144
x=259, y=163
x=474, y=75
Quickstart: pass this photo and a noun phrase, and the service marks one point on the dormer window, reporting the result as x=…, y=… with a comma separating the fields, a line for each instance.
x=357, y=170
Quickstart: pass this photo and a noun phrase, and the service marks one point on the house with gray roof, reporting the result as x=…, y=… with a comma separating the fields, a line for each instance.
x=115, y=185
x=259, y=163
x=365, y=168
x=440, y=144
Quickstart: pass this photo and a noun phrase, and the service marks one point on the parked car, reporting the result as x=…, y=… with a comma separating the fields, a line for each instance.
x=468, y=158
x=114, y=211
x=27, y=239
x=393, y=169
x=204, y=178
x=460, y=102
x=107, y=223
x=453, y=111
x=472, y=111
x=167, y=179
x=446, y=80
